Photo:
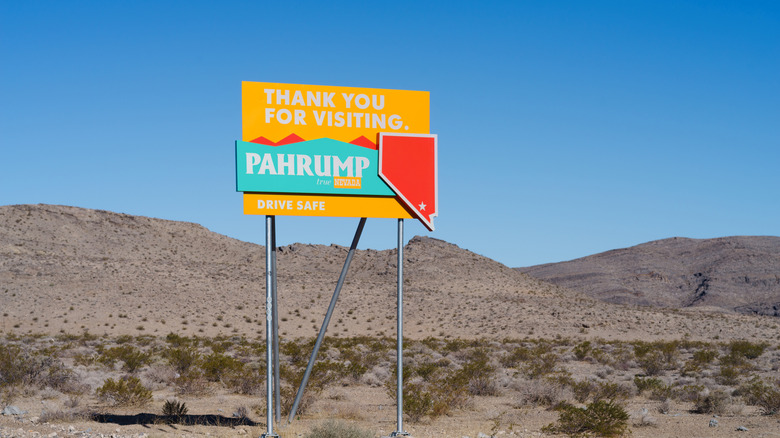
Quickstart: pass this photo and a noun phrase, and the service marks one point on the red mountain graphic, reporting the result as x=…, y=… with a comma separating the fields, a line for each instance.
x=364, y=142
x=292, y=138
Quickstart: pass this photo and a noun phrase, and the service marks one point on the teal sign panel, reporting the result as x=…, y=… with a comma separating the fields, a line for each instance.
x=322, y=166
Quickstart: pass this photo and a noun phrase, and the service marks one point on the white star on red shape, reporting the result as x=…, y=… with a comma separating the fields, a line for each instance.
x=422, y=206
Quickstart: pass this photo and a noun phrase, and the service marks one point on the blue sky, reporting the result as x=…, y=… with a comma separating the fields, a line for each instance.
x=565, y=128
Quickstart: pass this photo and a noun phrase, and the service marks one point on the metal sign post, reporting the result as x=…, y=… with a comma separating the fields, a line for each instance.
x=275, y=302
x=400, y=341
x=270, y=274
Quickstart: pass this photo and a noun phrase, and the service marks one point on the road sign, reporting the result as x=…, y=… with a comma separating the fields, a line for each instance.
x=324, y=147
x=311, y=150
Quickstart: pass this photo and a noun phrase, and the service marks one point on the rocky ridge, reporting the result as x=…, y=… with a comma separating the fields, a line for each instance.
x=69, y=270
x=740, y=274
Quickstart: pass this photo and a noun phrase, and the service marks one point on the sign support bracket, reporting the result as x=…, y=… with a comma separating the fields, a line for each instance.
x=326, y=321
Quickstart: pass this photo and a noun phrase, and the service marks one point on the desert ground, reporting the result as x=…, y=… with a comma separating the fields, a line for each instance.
x=87, y=296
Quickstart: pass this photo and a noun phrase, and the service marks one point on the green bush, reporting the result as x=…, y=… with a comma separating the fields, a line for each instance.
x=581, y=350
x=516, y=357
x=541, y=366
x=655, y=386
x=670, y=351
x=21, y=368
x=741, y=353
x=641, y=348
x=15, y=366
x=758, y=393
x=610, y=391
x=647, y=383
x=178, y=341
x=338, y=429
x=600, y=418
x=127, y=391
x=746, y=349
x=420, y=400
x=582, y=389
x=132, y=358
x=655, y=357
x=477, y=374
x=704, y=357
x=699, y=360
x=652, y=363
x=728, y=375
x=216, y=366
x=440, y=390
x=182, y=358
x=322, y=374
x=245, y=381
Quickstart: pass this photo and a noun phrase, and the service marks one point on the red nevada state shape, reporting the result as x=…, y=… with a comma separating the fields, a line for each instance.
x=408, y=164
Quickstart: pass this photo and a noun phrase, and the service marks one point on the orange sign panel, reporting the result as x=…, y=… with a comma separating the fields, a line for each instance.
x=277, y=114
x=324, y=205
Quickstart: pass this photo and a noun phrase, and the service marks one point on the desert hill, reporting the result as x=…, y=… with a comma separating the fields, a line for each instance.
x=735, y=273
x=67, y=269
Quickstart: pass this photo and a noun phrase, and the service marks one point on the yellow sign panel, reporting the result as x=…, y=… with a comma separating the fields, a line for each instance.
x=273, y=204
x=276, y=114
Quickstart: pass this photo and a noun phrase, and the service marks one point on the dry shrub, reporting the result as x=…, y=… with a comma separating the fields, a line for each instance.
x=644, y=419
x=582, y=389
x=161, y=374
x=687, y=393
x=542, y=392
x=193, y=383
x=350, y=413
x=246, y=381
x=288, y=393
x=338, y=429
x=63, y=415
x=715, y=402
x=49, y=393
x=665, y=407
x=375, y=377
x=72, y=402
x=484, y=386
